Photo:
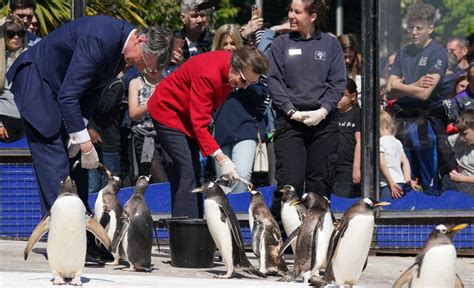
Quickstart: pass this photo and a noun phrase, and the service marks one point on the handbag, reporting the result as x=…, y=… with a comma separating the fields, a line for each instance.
x=260, y=163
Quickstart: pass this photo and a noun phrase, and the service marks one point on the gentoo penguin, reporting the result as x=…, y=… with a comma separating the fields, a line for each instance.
x=350, y=243
x=292, y=211
x=266, y=236
x=435, y=266
x=135, y=229
x=107, y=208
x=67, y=222
x=312, y=237
x=225, y=230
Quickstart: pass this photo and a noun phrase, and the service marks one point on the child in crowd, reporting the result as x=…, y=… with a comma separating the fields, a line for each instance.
x=347, y=177
x=462, y=179
x=148, y=155
x=394, y=165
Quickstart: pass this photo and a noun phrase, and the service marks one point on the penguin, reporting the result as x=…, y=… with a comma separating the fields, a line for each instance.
x=225, y=230
x=107, y=208
x=350, y=243
x=312, y=238
x=135, y=229
x=266, y=236
x=292, y=211
x=435, y=266
x=67, y=222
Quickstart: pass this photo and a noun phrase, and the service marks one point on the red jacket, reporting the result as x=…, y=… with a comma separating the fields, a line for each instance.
x=186, y=98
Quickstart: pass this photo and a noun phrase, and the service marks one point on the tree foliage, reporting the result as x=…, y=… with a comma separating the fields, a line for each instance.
x=456, y=17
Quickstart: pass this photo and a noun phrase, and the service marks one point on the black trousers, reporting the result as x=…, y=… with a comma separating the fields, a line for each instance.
x=305, y=157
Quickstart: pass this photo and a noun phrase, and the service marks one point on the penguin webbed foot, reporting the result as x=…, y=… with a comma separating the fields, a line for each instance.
x=317, y=281
x=76, y=281
x=58, y=280
x=227, y=275
x=289, y=277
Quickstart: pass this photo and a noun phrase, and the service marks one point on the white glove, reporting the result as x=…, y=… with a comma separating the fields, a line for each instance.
x=314, y=117
x=90, y=160
x=228, y=169
x=73, y=148
x=297, y=116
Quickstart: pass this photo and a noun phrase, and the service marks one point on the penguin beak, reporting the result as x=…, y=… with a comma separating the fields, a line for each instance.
x=294, y=203
x=197, y=190
x=381, y=204
x=457, y=228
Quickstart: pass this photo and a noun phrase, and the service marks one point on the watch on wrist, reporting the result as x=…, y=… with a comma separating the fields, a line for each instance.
x=291, y=112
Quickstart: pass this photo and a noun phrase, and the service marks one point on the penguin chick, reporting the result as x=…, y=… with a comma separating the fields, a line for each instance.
x=266, y=236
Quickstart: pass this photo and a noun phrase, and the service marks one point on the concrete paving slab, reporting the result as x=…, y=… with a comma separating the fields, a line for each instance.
x=381, y=271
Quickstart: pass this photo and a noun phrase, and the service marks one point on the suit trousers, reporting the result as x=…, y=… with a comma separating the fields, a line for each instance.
x=52, y=165
x=305, y=157
x=183, y=169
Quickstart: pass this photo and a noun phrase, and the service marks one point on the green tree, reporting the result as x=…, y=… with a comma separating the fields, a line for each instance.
x=54, y=13
x=456, y=16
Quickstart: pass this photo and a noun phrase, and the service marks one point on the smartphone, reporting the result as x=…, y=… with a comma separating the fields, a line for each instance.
x=256, y=10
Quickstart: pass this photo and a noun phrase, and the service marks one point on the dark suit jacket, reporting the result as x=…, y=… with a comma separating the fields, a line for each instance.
x=59, y=80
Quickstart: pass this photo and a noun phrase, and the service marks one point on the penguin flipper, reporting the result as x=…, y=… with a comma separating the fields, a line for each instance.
x=405, y=277
x=256, y=236
x=36, y=235
x=458, y=283
x=99, y=232
x=105, y=218
x=234, y=227
x=314, y=247
x=120, y=232
x=292, y=237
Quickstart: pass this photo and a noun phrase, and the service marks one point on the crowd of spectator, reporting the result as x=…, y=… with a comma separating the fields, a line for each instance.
x=307, y=107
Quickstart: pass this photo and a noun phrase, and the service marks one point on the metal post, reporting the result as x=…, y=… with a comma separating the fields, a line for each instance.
x=78, y=9
x=340, y=17
x=370, y=99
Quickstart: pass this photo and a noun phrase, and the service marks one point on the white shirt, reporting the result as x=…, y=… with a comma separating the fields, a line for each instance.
x=392, y=150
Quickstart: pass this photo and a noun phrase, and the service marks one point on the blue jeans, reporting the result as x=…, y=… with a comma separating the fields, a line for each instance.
x=183, y=171
x=242, y=154
x=386, y=193
x=111, y=161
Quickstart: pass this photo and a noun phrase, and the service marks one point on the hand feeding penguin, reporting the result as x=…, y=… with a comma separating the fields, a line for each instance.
x=67, y=222
x=266, y=236
x=107, y=209
x=225, y=230
x=312, y=238
x=292, y=211
x=350, y=243
x=135, y=229
x=435, y=266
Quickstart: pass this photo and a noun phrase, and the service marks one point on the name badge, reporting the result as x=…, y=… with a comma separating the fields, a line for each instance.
x=292, y=52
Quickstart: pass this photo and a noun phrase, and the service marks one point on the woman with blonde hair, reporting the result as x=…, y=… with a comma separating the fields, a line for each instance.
x=238, y=121
x=12, y=44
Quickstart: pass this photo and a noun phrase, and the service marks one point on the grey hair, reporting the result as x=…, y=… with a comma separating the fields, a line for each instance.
x=189, y=5
x=159, y=43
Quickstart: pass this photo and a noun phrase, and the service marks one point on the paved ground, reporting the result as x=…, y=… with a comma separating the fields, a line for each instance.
x=35, y=272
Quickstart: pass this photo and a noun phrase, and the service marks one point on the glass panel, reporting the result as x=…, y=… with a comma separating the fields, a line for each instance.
x=421, y=102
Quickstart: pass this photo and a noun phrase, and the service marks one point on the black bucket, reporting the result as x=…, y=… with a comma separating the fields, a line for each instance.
x=191, y=244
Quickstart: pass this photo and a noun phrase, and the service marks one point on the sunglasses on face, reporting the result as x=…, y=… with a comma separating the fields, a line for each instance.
x=244, y=80
x=22, y=16
x=11, y=34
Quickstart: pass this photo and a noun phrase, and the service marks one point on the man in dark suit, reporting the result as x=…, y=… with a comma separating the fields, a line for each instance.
x=57, y=85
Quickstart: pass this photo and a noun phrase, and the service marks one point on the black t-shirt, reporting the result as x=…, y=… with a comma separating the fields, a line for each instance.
x=349, y=124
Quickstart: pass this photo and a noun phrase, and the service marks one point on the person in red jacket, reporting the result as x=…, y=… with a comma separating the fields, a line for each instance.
x=181, y=108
